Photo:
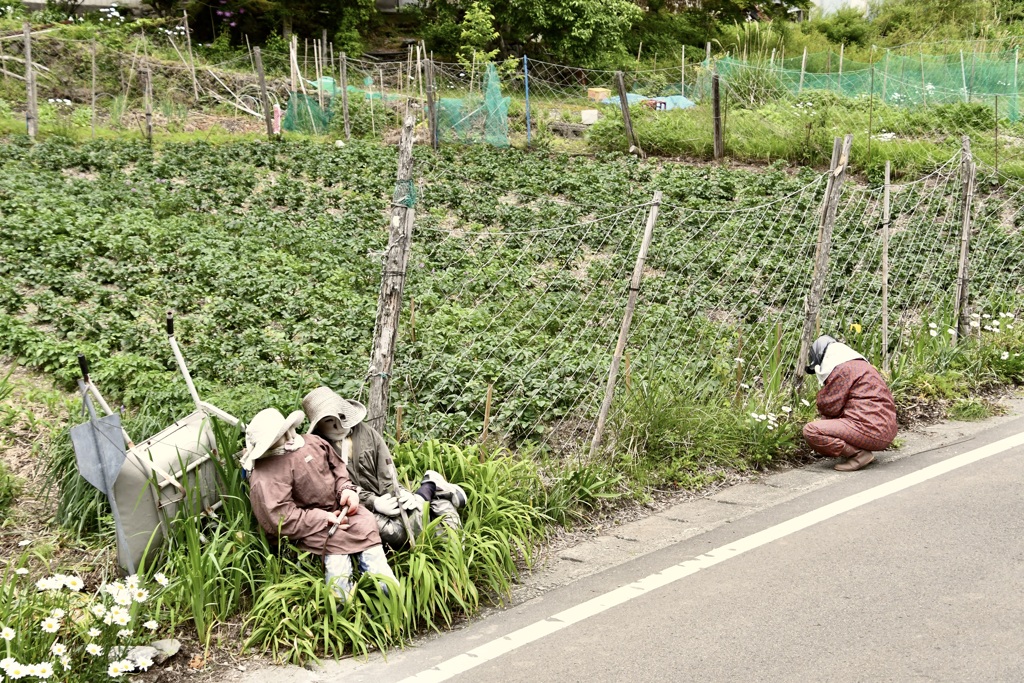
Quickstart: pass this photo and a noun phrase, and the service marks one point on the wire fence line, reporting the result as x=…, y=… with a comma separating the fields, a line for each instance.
x=515, y=328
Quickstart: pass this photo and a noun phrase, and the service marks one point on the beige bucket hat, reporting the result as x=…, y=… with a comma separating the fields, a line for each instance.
x=263, y=431
x=323, y=402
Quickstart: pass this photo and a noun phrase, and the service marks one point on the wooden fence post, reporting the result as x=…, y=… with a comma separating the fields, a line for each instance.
x=389, y=304
x=631, y=139
x=92, y=91
x=191, y=58
x=344, y=95
x=487, y=412
x=627, y=319
x=885, y=271
x=716, y=114
x=32, y=111
x=431, y=108
x=147, y=97
x=264, y=98
x=967, y=170
x=837, y=173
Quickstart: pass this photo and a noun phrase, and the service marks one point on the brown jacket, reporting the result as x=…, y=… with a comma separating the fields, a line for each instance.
x=856, y=392
x=296, y=492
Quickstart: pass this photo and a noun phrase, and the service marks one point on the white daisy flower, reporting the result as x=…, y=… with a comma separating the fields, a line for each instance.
x=16, y=670
x=932, y=325
x=951, y=331
x=151, y=625
x=933, y=333
x=21, y=571
x=115, y=670
x=975, y=324
x=1005, y=355
x=58, y=648
x=124, y=633
x=98, y=610
x=132, y=581
x=7, y=633
x=161, y=579
x=140, y=594
x=73, y=583
x=65, y=661
x=94, y=632
x=987, y=328
x=786, y=409
x=44, y=670
x=94, y=649
x=50, y=625
x=804, y=401
x=144, y=663
x=57, y=613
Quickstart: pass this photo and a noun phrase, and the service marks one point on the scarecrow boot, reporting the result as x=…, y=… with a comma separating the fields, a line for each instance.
x=857, y=461
x=447, y=499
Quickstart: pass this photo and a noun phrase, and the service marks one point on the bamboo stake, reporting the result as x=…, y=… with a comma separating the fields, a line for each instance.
x=716, y=113
x=373, y=122
x=839, y=83
x=412, y=320
x=431, y=108
x=487, y=413
x=627, y=319
x=319, y=73
x=871, y=112
x=147, y=97
x=803, y=70
x=924, y=88
x=264, y=98
x=739, y=364
x=32, y=112
x=92, y=90
x=191, y=58
x=344, y=94
x=248, y=49
x=885, y=75
x=967, y=174
x=963, y=76
x=885, y=272
x=682, y=72
x=997, y=134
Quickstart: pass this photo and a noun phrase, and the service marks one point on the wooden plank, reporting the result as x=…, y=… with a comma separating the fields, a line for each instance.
x=631, y=139
x=264, y=98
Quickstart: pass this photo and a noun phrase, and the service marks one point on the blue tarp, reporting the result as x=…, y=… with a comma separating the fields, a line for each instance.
x=670, y=102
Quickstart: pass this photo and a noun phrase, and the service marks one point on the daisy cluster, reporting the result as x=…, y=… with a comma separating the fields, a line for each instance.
x=70, y=642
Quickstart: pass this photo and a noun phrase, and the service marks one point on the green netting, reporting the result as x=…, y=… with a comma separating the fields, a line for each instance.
x=305, y=115
x=475, y=119
x=897, y=79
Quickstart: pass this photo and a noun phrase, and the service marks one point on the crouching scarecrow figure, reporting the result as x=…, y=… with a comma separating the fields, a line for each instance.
x=369, y=464
x=300, y=489
x=860, y=415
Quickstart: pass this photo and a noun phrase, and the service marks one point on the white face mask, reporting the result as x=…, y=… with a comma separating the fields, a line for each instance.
x=330, y=427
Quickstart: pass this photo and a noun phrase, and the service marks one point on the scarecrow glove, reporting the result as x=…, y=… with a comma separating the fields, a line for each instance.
x=411, y=501
x=386, y=505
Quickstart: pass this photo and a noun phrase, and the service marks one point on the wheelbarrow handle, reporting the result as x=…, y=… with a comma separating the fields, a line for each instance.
x=170, y=324
x=83, y=365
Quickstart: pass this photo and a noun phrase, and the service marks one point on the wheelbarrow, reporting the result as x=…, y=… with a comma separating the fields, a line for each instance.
x=170, y=473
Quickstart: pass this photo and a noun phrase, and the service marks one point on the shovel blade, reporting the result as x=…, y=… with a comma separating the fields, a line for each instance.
x=99, y=451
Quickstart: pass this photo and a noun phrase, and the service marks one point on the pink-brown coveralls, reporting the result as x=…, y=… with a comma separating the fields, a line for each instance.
x=860, y=412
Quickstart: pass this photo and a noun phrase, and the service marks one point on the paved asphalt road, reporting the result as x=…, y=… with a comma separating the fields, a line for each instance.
x=901, y=572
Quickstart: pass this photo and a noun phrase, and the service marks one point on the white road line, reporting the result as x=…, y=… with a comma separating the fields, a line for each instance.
x=536, y=631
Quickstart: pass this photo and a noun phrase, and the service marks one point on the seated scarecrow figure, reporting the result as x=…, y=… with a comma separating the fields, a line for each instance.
x=299, y=489
x=368, y=462
x=856, y=402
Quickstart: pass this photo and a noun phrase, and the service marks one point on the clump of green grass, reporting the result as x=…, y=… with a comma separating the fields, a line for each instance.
x=970, y=410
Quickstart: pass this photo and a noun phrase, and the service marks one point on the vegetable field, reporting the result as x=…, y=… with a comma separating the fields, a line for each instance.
x=270, y=256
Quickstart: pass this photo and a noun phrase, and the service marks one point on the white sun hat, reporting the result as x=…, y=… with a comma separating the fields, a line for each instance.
x=263, y=431
x=323, y=402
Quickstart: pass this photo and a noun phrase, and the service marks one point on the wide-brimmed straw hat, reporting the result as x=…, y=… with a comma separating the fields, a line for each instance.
x=323, y=402
x=263, y=431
